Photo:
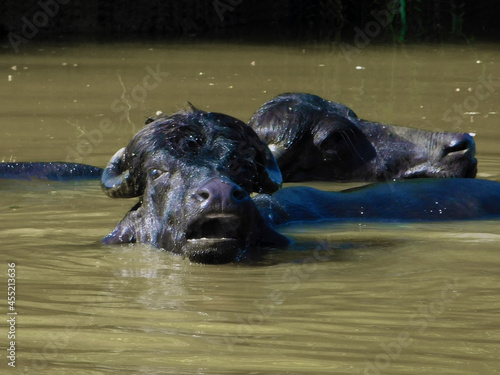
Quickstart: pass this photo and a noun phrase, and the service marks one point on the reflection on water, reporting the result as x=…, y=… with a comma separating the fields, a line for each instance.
x=345, y=298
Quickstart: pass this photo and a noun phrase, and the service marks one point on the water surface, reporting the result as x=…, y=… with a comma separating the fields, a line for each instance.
x=350, y=298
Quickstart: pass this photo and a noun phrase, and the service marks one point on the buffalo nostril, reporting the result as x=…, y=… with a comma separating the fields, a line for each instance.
x=239, y=194
x=220, y=192
x=202, y=195
x=462, y=144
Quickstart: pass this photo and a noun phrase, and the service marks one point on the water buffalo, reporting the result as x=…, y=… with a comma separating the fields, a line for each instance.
x=316, y=139
x=194, y=173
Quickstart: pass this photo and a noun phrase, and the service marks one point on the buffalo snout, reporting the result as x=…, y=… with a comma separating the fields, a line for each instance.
x=222, y=226
x=461, y=143
x=461, y=149
x=218, y=194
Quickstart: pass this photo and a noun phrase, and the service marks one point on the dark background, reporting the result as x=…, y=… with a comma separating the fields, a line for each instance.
x=269, y=21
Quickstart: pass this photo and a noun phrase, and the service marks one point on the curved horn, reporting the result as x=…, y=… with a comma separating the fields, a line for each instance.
x=117, y=182
x=271, y=180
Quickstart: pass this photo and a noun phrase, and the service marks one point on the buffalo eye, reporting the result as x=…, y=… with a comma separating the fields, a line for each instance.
x=155, y=173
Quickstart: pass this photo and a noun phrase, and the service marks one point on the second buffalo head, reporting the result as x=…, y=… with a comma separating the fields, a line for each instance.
x=316, y=139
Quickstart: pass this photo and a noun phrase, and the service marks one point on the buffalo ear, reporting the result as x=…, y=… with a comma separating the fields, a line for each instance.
x=116, y=180
x=125, y=230
x=334, y=136
x=271, y=179
x=341, y=141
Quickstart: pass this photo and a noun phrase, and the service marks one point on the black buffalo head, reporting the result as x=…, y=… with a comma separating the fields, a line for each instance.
x=315, y=139
x=194, y=173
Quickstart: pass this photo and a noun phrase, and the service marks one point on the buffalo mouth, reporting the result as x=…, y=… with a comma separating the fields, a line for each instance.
x=216, y=238
x=466, y=170
x=216, y=227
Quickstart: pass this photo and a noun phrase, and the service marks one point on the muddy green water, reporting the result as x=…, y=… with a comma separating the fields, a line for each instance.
x=344, y=299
